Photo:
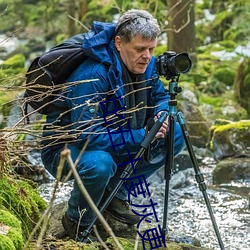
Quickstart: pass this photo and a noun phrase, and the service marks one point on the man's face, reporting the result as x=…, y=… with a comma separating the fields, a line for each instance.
x=137, y=53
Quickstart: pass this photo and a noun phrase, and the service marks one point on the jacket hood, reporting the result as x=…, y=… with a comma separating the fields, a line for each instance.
x=98, y=43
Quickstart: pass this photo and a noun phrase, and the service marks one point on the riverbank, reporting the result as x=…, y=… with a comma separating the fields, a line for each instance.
x=188, y=216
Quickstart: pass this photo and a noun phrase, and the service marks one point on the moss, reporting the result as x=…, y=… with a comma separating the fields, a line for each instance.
x=129, y=245
x=13, y=239
x=220, y=131
x=16, y=237
x=242, y=84
x=6, y=243
x=235, y=125
x=225, y=75
x=21, y=199
x=16, y=61
x=9, y=219
x=214, y=101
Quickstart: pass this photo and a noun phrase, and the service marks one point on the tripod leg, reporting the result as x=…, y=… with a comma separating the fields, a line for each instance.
x=199, y=176
x=168, y=171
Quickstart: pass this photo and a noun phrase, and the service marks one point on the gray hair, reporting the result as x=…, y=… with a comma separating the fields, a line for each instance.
x=137, y=22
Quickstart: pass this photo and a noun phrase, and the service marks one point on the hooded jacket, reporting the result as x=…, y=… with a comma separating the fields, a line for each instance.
x=95, y=90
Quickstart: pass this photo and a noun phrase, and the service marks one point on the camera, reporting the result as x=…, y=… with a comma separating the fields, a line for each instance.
x=171, y=65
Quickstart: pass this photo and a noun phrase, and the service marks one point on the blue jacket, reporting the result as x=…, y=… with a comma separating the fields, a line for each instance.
x=85, y=120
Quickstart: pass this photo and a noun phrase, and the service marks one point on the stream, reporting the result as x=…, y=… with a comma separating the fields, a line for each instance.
x=188, y=216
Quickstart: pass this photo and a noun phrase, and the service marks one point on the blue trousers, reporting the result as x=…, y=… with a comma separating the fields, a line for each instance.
x=100, y=171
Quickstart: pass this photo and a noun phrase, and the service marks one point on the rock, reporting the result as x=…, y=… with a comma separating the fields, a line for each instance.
x=126, y=234
x=231, y=169
x=197, y=125
x=181, y=179
x=232, y=139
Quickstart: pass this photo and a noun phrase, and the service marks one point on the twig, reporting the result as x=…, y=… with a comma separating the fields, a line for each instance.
x=136, y=242
x=46, y=216
x=99, y=238
x=66, y=154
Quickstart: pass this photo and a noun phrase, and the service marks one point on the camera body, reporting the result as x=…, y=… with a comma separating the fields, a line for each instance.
x=171, y=65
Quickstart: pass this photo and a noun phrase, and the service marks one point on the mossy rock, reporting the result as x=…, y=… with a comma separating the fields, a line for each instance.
x=232, y=139
x=21, y=199
x=11, y=237
x=219, y=107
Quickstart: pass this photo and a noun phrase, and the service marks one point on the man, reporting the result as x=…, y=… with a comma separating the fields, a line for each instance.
x=108, y=114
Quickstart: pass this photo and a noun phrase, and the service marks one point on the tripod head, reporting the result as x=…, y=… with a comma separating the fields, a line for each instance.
x=174, y=89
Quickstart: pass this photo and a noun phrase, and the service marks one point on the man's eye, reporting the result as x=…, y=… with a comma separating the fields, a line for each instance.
x=139, y=50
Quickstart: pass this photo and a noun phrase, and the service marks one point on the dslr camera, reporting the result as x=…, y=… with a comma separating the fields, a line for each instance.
x=171, y=65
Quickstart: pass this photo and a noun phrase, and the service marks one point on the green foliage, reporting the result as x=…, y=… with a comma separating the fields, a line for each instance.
x=242, y=84
x=229, y=23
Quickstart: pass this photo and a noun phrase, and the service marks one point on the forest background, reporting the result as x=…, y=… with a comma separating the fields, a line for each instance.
x=214, y=33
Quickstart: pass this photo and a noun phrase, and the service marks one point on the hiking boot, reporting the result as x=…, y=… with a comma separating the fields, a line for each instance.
x=74, y=231
x=121, y=211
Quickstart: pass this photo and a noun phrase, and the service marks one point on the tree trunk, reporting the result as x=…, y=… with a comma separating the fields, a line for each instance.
x=181, y=27
x=83, y=7
x=71, y=6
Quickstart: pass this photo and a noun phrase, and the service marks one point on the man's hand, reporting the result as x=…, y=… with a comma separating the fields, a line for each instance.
x=164, y=128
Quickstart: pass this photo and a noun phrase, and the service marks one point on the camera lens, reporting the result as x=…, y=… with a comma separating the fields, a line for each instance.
x=182, y=63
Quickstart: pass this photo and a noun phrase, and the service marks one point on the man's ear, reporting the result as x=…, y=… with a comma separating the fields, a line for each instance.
x=118, y=43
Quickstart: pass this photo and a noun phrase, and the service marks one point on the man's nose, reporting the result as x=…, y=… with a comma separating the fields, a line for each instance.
x=146, y=54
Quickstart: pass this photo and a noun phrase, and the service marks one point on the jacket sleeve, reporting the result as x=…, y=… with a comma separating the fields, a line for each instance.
x=87, y=115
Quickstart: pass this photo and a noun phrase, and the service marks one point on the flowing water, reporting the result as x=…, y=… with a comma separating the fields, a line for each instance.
x=187, y=212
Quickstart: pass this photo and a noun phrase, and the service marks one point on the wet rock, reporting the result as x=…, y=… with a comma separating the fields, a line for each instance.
x=231, y=169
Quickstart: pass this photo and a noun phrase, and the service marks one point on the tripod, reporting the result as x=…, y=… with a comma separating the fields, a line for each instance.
x=173, y=90
x=173, y=114
x=129, y=168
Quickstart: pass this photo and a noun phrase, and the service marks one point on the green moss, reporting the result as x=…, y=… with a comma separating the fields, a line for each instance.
x=212, y=100
x=225, y=75
x=13, y=239
x=16, y=237
x=6, y=243
x=21, y=199
x=9, y=219
x=235, y=125
x=239, y=128
x=16, y=61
